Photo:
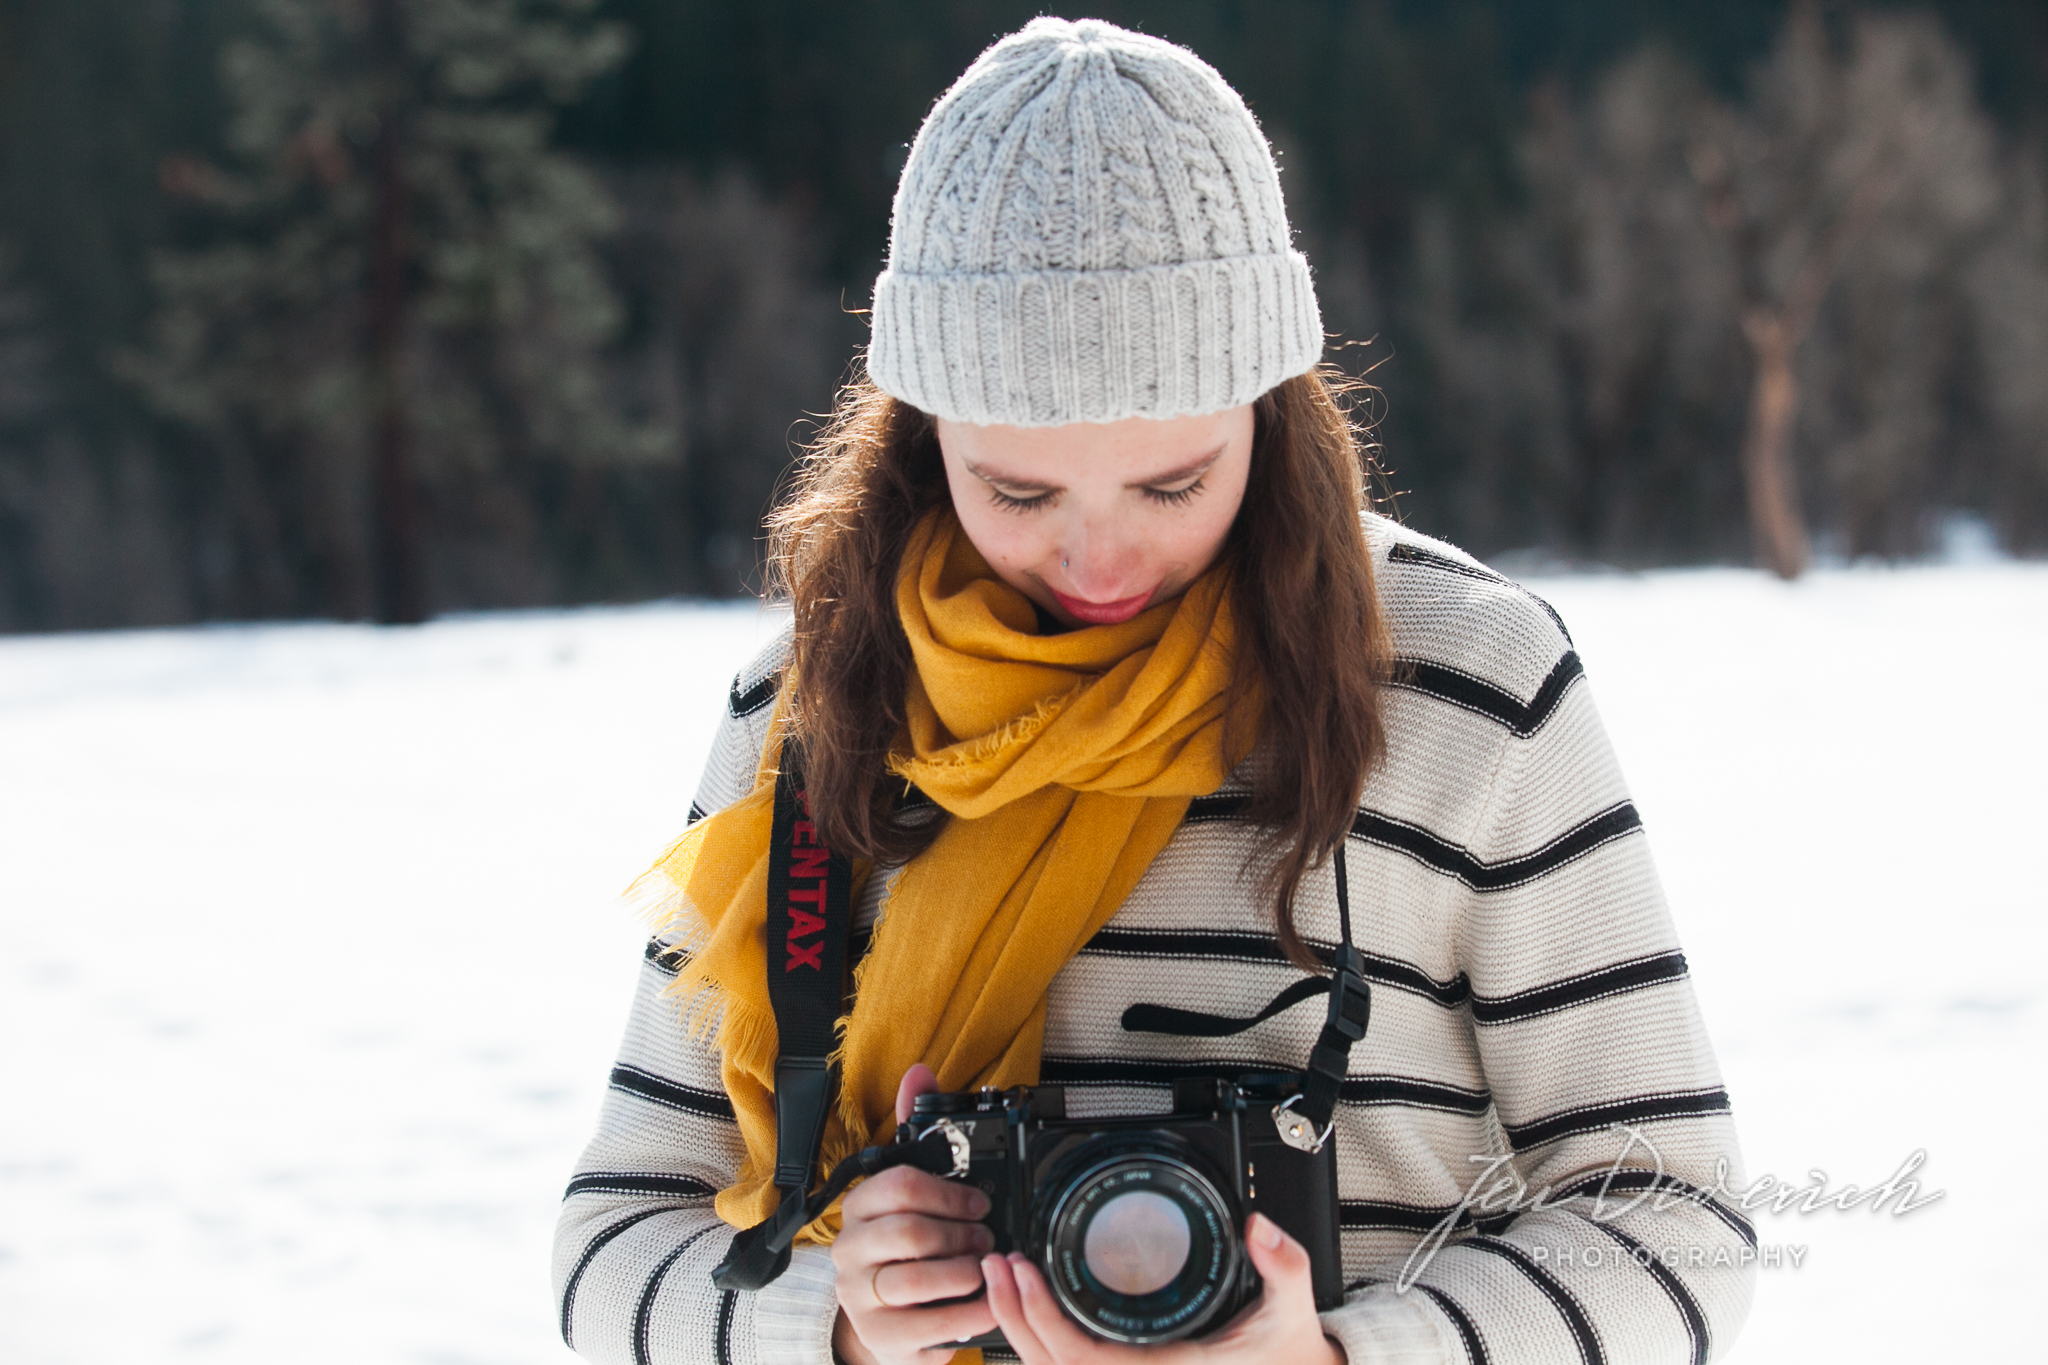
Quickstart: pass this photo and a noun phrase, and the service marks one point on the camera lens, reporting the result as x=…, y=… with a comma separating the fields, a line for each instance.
x=1140, y=1244
x=1137, y=1243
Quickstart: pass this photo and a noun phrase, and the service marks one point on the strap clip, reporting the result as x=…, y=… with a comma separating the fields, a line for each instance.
x=1296, y=1130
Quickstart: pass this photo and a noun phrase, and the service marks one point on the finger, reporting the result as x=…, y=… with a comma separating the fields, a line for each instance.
x=898, y=1332
x=1284, y=1265
x=1049, y=1323
x=904, y=1189
x=919, y=1080
x=1008, y=1310
x=915, y=1237
x=903, y=1284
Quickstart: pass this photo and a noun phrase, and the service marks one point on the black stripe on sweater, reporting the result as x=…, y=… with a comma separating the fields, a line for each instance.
x=754, y=698
x=1461, y=689
x=643, y=1313
x=721, y=1339
x=640, y=1182
x=1239, y=946
x=1637, y=1183
x=1441, y=855
x=659, y=1089
x=1415, y=554
x=1681, y=1298
x=597, y=1244
x=1566, y=1303
x=1468, y=1332
x=1395, y=1090
x=697, y=813
x=1638, y=1109
x=1618, y=979
x=1242, y=946
x=1387, y=1215
x=664, y=956
x=1414, y=1094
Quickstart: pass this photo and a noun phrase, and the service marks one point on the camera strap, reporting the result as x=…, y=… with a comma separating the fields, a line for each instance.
x=809, y=920
x=1304, y=1121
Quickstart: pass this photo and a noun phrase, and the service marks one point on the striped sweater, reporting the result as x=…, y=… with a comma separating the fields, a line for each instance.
x=1536, y=1091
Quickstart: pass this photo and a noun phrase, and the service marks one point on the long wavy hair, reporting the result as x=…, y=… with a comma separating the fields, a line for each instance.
x=1311, y=635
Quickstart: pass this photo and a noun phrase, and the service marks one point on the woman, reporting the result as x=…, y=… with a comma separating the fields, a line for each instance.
x=1097, y=658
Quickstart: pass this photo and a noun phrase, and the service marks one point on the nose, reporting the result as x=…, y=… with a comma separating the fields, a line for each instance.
x=1099, y=567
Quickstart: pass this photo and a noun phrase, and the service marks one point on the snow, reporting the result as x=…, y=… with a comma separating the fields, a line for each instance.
x=312, y=962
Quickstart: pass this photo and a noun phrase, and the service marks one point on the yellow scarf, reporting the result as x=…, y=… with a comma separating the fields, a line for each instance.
x=1066, y=762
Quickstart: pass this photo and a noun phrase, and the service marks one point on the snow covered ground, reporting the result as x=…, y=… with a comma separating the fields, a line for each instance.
x=311, y=962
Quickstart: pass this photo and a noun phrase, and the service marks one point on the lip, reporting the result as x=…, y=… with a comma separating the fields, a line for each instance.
x=1101, y=613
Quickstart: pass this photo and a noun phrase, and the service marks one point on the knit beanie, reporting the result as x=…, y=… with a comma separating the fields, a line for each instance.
x=1089, y=227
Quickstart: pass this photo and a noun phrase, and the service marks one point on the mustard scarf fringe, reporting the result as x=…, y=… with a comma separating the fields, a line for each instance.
x=1065, y=762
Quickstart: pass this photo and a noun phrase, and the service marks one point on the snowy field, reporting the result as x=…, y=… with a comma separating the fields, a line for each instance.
x=311, y=962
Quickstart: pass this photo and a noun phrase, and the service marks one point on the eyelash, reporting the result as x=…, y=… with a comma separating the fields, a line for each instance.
x=1179, y=497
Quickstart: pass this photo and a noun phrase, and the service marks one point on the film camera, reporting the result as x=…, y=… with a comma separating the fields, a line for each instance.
x=1138, y=1223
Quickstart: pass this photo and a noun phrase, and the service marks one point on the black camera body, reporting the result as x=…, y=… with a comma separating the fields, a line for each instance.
x=1138, y=1223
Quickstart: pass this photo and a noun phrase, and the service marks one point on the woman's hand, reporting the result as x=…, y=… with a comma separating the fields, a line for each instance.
x=908, y=1238
x=1280, y=1329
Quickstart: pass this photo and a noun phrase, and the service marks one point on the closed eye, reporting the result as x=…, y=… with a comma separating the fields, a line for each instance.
x=1174, y=497
x=1008, y=503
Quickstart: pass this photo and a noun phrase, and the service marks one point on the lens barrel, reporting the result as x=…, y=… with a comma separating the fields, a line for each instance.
x=1138, y=1238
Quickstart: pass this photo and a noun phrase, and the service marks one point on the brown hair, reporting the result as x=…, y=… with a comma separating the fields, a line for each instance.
x=1311, y=635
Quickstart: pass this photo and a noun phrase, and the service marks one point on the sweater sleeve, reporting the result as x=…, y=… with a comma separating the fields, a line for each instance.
x=1596, y=1231
x=638, y=1238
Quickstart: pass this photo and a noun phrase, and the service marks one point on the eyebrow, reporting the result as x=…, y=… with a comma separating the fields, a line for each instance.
x=1192, y=469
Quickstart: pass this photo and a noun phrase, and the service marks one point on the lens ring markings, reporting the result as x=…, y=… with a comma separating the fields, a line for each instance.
x=1182, y=1302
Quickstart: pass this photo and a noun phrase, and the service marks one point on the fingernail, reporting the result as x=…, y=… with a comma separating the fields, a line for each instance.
x=1265, y=1231
x=984, y=1240
x=977, y=1204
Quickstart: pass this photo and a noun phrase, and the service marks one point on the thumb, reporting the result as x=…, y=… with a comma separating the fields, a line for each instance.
x=1280, y=1260
x=919, y=1080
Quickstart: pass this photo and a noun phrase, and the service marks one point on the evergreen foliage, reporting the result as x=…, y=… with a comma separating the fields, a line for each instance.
x=266, y=339
x=637, y=234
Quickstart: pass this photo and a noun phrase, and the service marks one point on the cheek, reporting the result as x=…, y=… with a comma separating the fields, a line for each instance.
x=1199, y=535
x=1005, y=540
x=1205, y=534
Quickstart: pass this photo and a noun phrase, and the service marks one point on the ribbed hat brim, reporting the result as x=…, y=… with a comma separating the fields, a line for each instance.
x=1052, y=347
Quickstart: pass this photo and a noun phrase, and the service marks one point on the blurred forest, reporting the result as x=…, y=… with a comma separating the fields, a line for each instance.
x=384, y=308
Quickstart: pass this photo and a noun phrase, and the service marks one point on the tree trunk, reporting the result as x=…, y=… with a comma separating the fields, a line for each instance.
x=401, y=586
x=1774, y=519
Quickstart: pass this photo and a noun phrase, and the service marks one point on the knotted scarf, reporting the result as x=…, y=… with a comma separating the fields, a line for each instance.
x=1065, y=762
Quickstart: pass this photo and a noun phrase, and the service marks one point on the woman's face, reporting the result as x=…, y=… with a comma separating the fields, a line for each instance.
x=1095, y=521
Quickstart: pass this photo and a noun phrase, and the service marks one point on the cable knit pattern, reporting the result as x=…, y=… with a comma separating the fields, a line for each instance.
x=1089, y=227
x=1531, y=1008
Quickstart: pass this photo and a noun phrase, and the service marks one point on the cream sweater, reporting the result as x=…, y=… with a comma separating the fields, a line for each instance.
x=1533, y=1025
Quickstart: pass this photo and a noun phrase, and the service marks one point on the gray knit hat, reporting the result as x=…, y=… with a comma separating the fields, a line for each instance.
x=1089, y=228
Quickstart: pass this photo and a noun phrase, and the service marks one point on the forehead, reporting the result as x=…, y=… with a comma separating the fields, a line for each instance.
x=1134, y=447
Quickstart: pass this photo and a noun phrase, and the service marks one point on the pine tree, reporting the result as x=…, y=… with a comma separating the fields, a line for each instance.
x=397, y=285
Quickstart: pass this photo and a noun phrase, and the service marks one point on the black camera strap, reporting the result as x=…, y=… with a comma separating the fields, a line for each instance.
x=809, y=920
x=1328, y=1061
